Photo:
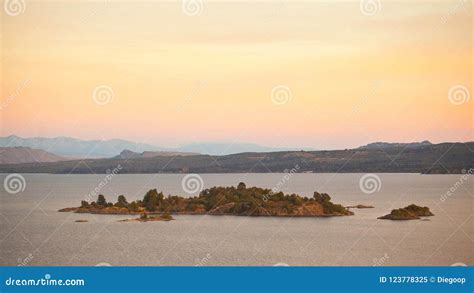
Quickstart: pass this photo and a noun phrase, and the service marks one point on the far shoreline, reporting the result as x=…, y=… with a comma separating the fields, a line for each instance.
x=234, y=173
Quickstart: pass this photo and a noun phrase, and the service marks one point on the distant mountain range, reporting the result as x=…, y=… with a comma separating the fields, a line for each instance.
x=127, y=154
x=432, y=158
x=73, y=147
x=18, y=155
x=228, y=148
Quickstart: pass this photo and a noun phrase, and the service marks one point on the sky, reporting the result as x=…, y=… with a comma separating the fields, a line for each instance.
x=325, y=75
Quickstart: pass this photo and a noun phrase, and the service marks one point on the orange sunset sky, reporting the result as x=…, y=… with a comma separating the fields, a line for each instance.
x=177, y=76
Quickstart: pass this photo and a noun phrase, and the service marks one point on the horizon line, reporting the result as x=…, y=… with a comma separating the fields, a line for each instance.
x=227, y=142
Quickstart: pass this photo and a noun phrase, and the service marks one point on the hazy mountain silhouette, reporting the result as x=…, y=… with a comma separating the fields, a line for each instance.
x=67, y=146
x=18, y=155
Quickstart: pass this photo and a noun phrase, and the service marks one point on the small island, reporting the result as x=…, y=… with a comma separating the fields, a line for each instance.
x=146, y=218
x=237, y=201
x=360, y=206
x=411, y=212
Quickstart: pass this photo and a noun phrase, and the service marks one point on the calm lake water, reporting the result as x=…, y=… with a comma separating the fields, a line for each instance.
x=32, y=232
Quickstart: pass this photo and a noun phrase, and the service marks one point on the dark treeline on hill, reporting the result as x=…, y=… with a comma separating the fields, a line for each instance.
x=239, y=201
x=434, y=158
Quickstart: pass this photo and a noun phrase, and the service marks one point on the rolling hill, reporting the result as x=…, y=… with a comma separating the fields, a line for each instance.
x=19, y=155
x=73, y=147
x=433, y=158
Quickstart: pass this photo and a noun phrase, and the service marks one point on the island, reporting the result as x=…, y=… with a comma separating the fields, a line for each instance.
x=360, y=206
x=146, y=218
x=411, y=212
x=237, y=201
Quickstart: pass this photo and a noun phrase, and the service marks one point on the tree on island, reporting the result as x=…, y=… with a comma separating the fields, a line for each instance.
x=85, y=204
x=241, y=186
x=121, y=202
x=321, y=197
x=152, y=199
x=133, y=207
x=101, y=201
x=329, y=208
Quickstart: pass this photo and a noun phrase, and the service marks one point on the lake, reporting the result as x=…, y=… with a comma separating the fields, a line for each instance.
x=32, y=232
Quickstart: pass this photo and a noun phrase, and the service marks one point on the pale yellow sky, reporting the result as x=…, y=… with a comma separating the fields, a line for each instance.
x=174, y=77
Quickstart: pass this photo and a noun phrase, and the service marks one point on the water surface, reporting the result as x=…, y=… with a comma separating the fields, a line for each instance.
x=32, y=232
